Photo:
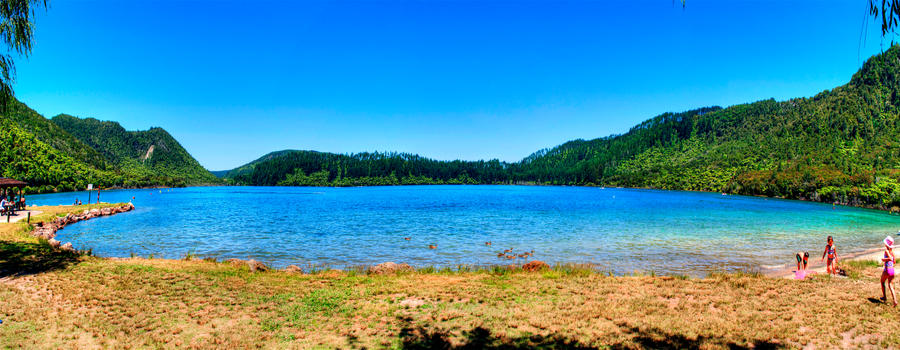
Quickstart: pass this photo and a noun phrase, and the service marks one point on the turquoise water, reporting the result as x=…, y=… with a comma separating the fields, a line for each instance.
x=620, y=230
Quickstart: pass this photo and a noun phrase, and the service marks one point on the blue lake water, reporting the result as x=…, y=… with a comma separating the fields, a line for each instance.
x=620, y=230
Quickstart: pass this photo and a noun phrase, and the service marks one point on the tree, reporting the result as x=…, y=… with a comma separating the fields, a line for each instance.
x=17, y=32
x=889, y=12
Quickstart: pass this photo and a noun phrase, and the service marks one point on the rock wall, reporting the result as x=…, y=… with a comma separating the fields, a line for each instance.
x=47, y=230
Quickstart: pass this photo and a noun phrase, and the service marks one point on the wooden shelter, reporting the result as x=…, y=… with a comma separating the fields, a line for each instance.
x=7, y=183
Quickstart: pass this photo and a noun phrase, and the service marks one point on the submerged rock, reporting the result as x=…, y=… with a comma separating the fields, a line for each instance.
x=535, y=265
x=390, y=267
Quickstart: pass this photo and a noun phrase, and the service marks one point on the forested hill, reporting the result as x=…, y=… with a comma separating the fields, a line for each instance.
x=841, y=145
x=50, y=133
x=68, y=155
x=147, y=153
x=311, y=168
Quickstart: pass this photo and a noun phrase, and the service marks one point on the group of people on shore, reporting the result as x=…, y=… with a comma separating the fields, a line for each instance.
x=830, y=266
x=8, y=204
x=887, y=261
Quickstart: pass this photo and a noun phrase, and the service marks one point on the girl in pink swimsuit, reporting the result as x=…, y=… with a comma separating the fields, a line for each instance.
x=888, y=274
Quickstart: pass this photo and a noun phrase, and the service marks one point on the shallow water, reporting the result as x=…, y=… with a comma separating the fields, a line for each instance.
x=620, y=230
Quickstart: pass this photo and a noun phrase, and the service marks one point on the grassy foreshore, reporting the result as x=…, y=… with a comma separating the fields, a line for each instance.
x=54, y=299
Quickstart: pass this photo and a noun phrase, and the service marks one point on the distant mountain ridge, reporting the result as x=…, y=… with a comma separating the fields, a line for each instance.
x=67, y=153
x=838, y=146
x=152, y=152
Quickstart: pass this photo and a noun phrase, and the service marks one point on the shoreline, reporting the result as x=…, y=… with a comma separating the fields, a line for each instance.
x=785, y=270
x=860, y=206
x=818, y=267
x=889, y=210
x=47, y=230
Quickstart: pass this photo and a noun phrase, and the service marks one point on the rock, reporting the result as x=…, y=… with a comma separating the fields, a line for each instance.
x=235, y=262
x=68, y=246
x=106, y=211
x=535, y=265
x=412, y=303
x=85, y=213
x=293, y=269
x=256, y=266
x=390, y=267
x=53, y=243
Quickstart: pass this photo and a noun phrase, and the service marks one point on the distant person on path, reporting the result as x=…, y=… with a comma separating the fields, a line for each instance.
x=831, y=254
x=888, y=273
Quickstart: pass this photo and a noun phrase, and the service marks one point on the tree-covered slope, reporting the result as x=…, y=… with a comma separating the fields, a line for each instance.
x=840, y=145
x=311, y=168
x=249, y=167
x=150, y=153
x=51, y=157
x=48, y=132
x=25, y=157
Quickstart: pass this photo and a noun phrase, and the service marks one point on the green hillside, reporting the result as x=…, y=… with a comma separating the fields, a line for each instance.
x=45, y=168
x=841, y=145
x=50, y=133
x=311, y=168
x=51, y=157
x=249, y=167
x=152, y=153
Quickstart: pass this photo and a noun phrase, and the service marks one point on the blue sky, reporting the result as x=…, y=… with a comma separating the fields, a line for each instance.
x=233, y=80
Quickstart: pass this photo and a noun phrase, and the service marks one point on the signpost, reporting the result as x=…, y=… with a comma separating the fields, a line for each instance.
x=90, y=187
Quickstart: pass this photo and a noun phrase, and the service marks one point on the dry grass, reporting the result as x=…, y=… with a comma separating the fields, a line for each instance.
x=150, y=303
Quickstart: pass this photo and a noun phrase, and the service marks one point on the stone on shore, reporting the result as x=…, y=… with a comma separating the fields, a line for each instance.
x=535, y=265
x=253, y=265
x=68, y=246
x=256, y=266
x=389, y=268
x=293, y=269
x=54, y=243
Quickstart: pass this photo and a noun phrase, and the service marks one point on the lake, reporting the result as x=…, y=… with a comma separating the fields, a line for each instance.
x=620, y=230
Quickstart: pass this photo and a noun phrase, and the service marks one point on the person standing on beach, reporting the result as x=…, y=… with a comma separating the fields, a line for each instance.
x=831, y=253
x=888, y=273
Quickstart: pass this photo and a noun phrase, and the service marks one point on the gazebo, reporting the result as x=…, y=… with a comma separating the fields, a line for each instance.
x=7, y=183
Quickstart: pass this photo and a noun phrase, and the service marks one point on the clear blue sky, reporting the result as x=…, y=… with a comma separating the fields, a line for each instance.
x=233, y=80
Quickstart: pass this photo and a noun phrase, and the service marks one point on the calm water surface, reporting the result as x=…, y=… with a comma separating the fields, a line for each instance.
x=621, y=230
